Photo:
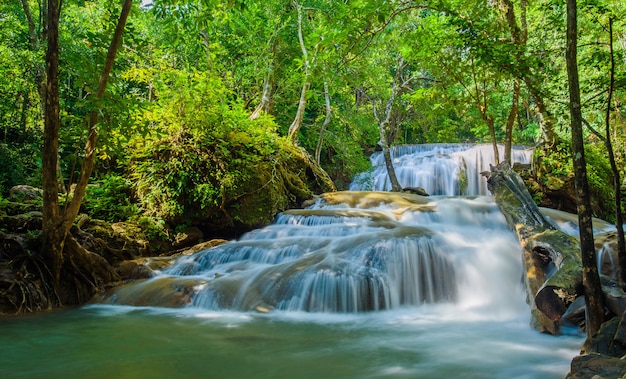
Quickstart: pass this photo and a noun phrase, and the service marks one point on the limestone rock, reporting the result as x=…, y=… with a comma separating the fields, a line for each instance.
x=416, y=191
x=203, y=246
x=24, y=192
x=187, y=237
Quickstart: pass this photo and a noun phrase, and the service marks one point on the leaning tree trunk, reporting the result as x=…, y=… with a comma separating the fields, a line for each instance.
x=327, y=119
x=383, y=124
x=553, y=273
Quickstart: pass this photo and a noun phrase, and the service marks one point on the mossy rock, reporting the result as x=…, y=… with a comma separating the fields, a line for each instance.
x=275, y=186
x=22, y=223
x=127, y=238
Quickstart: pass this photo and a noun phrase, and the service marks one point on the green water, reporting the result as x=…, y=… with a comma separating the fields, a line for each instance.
x=125, y=342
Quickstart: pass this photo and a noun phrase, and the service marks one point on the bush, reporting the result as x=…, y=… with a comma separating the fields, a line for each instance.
x=209, y=156
x=110, y=199
x=554, y=170
x=19, y=164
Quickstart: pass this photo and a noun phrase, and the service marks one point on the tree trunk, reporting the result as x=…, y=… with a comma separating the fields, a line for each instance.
x=494, y=141
x=52, y=235
x=329, y=116
x=391, y=171
x=617, y=182
x=591, y=279
x=383, y=125
x=294, y=128
x=56, y=222
x=265, y=104
x=519, y=36
x=92, y=138
x=481, y=103
x=510, y=121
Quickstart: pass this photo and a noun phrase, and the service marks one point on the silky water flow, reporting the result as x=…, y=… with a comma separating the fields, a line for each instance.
x=361, y=284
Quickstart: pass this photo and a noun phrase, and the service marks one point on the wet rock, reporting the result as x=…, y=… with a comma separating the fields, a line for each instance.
x=188, y=236
x=10, y=246
x=610, y=339
x=132, y=270
x=22, y=223
x=603, y=355
x=575, y=313
x=203, y=246
x=597, y=366
x=416, y=191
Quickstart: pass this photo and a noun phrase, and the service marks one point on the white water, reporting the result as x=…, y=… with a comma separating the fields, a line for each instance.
x=440, y=169
x=355, y=251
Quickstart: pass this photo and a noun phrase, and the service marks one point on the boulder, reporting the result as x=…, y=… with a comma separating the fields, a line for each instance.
x=416, y=191
x=597, y=366
x=25, y=193
x=603, y=355
x=189, y=236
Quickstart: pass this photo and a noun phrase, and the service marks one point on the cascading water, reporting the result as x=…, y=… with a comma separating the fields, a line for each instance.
x=358, y=285
x=352, y=252
x=357, y=251
x=440, y=169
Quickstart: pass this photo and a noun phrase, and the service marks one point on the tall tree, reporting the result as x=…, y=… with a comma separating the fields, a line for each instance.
x=384, y=122
x=58, y=246
x=617, y=183
x=591, y=279
x=308, y=62
x=523, y=69
x=510, y=121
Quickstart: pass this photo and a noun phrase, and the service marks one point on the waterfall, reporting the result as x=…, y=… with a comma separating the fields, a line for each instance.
x=359, y=251
x=440, y=169
x=349, y=252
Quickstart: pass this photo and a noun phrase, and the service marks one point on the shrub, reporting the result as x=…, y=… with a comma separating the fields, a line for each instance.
x=111, y=199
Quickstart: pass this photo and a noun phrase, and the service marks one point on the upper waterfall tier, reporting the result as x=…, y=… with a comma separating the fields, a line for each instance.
x=440, y=169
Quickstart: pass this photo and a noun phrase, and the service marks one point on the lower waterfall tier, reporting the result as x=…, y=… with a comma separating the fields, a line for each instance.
x=348, y=252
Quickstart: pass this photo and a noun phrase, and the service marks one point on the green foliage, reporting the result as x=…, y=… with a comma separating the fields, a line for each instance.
x=19, y=164
x=600, y=179
x=209, y=154
x=155, y=229
x=111, y=199
x=189, y=73
x=554, y=170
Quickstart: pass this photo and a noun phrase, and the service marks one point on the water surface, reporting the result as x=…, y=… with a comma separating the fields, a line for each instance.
x=130, y=342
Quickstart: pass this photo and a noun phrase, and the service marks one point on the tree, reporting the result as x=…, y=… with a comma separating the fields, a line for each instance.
x=384, y=122
x=617, y=183
x=307, y=66
x=591, y=280
x=58, y=246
